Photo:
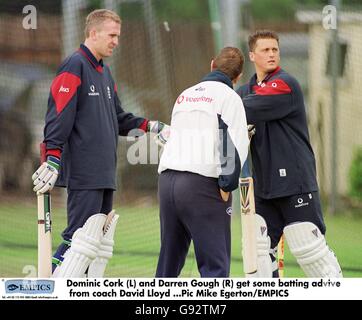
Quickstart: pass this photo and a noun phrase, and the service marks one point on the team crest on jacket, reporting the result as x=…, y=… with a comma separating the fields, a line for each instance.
x=229, y=211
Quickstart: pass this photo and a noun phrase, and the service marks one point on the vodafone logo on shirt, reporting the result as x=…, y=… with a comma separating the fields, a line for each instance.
x=180, y=99
x=93, y=91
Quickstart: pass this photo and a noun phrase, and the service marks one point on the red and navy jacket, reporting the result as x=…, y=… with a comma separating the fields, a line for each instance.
x=83, y=121
x=282, y=156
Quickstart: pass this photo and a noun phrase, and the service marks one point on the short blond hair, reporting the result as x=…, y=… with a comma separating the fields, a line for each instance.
x=98, y=16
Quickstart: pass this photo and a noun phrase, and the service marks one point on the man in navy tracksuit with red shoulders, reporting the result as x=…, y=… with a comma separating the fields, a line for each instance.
x=83, y=121
x=286, y=190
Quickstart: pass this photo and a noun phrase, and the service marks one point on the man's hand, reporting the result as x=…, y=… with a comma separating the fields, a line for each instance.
x=251, y=130
x=45, y=177
x=162, y=131
x=224, y=195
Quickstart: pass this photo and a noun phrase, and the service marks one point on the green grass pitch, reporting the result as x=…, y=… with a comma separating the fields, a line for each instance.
x=137, y=243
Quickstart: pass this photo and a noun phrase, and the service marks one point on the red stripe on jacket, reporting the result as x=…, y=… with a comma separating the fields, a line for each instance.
x=63, y=88
x=272, y=87
x=98, y=67
x=53, y=152
x=143, y=125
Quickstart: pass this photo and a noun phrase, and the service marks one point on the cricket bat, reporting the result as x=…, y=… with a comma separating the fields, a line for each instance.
x=44, y=229
x=281, y=256
x=248, y=225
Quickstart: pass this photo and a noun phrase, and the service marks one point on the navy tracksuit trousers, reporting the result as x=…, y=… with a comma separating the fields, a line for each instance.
x=191, y=207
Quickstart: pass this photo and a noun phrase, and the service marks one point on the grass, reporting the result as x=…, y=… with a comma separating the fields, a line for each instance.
x=137, y=243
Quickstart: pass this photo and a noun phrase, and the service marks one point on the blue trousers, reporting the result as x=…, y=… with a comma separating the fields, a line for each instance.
x=191, y=208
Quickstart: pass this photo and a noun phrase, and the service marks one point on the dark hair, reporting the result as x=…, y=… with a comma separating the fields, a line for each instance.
x=230, y=61
x=261, y=34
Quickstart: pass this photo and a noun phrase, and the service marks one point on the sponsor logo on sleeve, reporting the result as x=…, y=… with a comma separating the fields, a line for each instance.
x=63, y=89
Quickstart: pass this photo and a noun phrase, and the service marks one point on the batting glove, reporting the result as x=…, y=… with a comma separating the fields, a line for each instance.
x=45, y=177
x=163, y=136
x=155, y=126
x=162, y=131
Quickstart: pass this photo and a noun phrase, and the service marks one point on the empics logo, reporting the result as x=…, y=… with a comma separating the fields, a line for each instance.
x=29, y=286
x=12, y=287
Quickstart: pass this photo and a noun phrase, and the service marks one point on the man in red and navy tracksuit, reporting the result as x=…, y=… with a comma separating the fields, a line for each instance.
x=83, y=121
x=286, y=190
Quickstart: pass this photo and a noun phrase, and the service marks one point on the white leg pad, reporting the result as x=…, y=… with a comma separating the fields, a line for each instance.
x=98, y=265
x=309, y=247
x=264, y=263
x=84, y=248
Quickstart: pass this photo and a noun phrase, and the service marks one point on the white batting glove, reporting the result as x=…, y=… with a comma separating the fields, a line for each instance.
x=45, y=177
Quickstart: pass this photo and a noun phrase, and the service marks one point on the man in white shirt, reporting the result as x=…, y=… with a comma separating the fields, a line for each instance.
x=199, y=167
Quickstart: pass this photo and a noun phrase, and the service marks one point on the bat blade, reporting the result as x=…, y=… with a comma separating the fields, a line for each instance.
x=44, y=236
x=44, y=229
x=281, y=257
x=248, y=225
